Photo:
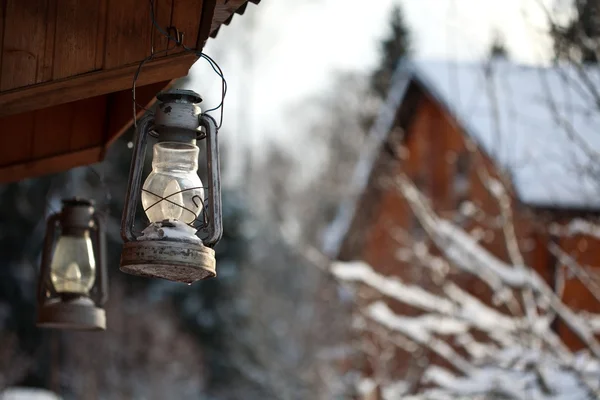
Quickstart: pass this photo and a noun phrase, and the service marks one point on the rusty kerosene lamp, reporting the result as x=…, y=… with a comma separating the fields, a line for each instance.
x=73, y=282
x=184, y=226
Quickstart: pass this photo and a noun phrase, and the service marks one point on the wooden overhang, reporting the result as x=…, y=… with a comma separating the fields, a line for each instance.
x=67, y=66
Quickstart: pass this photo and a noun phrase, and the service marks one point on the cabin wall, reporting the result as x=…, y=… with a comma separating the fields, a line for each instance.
x=579, y=293
x=435, y=153
x=438, y=160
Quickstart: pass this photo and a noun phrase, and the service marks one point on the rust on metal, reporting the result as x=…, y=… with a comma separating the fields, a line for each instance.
x=79, y=314
x=173, y=261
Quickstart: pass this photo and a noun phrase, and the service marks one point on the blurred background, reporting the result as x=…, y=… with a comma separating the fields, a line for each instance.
x=306, y=82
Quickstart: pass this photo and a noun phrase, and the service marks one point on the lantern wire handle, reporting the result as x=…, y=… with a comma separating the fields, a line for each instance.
x=102, y=284
x=135, y=176
x=46, y=257
x=178, y=40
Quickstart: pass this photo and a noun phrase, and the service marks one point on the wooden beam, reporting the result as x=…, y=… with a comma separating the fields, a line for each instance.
x=119, y=110
x=224, y=12
x=208, y=13
x=93, y=84
x=50, y=165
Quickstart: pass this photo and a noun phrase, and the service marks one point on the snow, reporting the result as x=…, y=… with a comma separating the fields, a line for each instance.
x=594, y=321
x=538, y=123
x=508, y=366
x=392, y=287
x=467, y=208
x=420, y=329
x=459, y=304
x=518, y=373
x=466, y=254
x=495, y=187
x=394, y=390
x=366, y=386
x=173, y=230
x=576, y=226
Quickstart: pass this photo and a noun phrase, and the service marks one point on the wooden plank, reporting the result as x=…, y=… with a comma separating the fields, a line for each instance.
x=44, y=70
x=76, y=37
x=16, y=138
x=2, y=19
x=186, y=17
x=50, y=165
x=101, y=35
x=51, y=130
x=128, y=32
x=24, y=42
x=208, y=13
x=163, y=13
x=93, y=84
x=119, y=112
x=88, y=126
x=223, y=11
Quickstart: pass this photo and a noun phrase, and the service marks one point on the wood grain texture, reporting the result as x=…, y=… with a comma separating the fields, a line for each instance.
x=93, y=84
x=101, y=36
x=89, y=123
x=163, y=10
x=76, y=37
x=52, y=131
x=45, y=64
x=50, y=165
x=23, y=42
x=2, y=20
x=16, y=138
x=52, y=128
x=186, y=18
x=128, y=32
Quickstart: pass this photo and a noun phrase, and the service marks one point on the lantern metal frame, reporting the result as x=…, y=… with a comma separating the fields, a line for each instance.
x=177, y=119
x=73, y=311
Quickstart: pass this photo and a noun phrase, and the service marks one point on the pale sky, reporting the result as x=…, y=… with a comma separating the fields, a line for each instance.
x=283, y=51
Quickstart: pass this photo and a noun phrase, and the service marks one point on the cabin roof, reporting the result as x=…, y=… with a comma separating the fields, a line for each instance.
x=539, y=124
x=67, y=68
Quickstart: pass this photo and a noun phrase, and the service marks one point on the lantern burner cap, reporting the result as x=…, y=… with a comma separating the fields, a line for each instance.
x=68, y=296
x=77, y=314
x=77, y=201
x=179, y=96
x=173, y=261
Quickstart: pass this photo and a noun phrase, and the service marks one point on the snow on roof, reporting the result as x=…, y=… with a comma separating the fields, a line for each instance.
x=540, y=124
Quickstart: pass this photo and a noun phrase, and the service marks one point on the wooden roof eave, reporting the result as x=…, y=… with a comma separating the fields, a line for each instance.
x=103, y=95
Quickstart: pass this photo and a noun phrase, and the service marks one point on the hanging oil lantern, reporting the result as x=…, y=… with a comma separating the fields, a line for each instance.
x=184, y=225
x=73, y=284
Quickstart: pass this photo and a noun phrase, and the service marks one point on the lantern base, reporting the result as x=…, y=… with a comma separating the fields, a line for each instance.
x=173, y=261
x=77, y=314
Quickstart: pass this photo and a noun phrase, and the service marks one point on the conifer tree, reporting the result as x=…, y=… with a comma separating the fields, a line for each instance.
x=394, y=46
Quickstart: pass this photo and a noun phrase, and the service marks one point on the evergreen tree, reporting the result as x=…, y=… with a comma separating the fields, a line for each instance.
x=576, y=41
x=393, y=47
x=498, y=47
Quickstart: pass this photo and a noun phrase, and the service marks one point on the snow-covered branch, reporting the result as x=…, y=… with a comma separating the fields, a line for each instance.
x=487, y=349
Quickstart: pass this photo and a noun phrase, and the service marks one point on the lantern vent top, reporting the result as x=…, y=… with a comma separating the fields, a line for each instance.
x=179, y=96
